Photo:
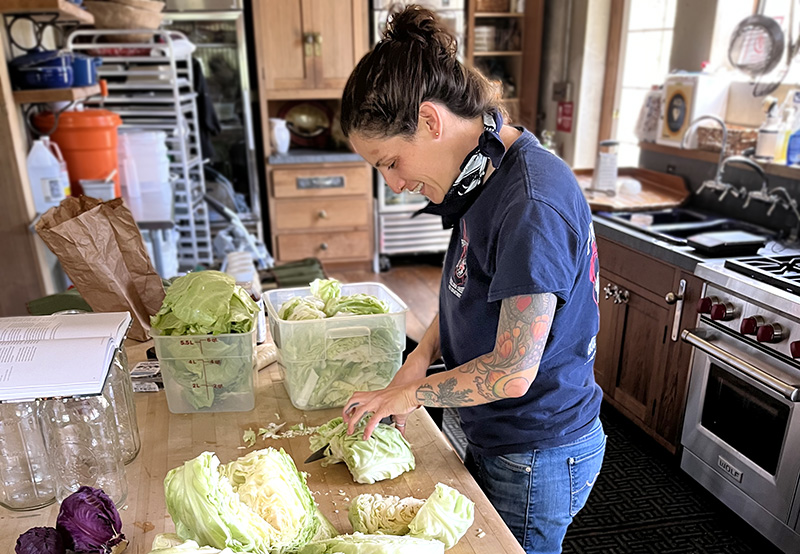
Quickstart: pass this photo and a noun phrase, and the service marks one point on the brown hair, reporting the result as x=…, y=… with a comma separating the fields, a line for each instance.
x=413, y=63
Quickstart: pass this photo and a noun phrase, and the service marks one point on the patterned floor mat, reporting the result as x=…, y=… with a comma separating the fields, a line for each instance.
x=643, y=502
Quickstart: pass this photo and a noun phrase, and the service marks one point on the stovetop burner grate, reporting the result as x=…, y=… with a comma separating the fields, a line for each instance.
x=780, y=271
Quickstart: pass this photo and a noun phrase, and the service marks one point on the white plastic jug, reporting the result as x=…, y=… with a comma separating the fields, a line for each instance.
x=47, y=173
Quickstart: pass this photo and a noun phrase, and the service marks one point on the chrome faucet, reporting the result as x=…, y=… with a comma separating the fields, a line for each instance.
x=716, y=184
x=775, y=197
x=741, y=191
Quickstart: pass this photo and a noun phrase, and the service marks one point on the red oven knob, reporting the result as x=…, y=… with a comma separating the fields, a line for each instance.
x=750, y=325
x=722, y=311
x=771, y=332
x=704, y=304
x=794, y=349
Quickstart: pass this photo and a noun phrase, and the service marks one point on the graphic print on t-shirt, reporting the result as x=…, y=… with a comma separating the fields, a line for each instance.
x=458, y=280
x=594, y=277
x=594, y=264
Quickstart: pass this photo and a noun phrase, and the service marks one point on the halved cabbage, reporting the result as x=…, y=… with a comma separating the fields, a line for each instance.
x=259, y=503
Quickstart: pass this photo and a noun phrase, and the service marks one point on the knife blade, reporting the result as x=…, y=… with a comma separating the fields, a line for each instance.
x=320, y=452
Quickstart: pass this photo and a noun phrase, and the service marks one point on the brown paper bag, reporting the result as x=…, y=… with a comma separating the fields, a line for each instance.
x=102, y=252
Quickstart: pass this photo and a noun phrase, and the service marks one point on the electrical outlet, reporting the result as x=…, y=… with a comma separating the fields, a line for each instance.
x=562, y=91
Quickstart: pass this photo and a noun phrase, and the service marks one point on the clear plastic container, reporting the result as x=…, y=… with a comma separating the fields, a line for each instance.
x=323, y=361
x=119, y=390
x=26, y=478
x=208, y=373
x=84, y=446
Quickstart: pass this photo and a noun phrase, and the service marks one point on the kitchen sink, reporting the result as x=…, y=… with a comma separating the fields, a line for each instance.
x=661, y=217
x=676, y=225
x=685, y=231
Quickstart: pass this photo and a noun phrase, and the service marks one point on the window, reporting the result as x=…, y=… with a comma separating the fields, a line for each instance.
x=646, y=46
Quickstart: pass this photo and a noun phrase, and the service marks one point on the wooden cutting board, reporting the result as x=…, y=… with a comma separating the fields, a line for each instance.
x=170, y=439
x=659, y=191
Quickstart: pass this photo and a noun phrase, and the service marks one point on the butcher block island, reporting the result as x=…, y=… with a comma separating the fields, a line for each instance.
x=168, y=440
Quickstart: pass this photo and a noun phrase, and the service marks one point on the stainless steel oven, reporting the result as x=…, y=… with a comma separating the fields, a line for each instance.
x=741, y=432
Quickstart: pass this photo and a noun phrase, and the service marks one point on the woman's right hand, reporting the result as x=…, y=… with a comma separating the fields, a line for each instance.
x=414, y=369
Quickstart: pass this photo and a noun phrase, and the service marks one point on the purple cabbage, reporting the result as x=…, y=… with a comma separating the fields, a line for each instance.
x=40, y=540
x=90, y=522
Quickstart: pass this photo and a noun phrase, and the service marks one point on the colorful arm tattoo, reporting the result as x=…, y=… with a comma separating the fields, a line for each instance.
x=509, y=369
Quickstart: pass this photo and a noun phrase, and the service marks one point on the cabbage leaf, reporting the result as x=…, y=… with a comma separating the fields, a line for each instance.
x=445, y=516
x=205, y=302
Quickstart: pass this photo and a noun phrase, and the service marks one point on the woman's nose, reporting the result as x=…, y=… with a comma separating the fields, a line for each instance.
x=395, y=183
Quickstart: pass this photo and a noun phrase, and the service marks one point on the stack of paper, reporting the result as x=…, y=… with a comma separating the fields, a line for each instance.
x=58, y=355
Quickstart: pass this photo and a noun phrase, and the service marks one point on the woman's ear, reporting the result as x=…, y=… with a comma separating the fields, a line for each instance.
x=431, y=119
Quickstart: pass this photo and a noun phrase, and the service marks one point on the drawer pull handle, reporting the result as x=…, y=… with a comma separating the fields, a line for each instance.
x=323, y=246
x=320, y=182
x=323, y=214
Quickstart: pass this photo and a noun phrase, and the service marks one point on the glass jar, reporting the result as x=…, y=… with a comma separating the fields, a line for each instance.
x=84, y=446
x=119, y=390
x=26, y=479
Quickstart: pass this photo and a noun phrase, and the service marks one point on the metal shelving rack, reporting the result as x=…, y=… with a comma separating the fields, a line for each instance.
x=150, y=86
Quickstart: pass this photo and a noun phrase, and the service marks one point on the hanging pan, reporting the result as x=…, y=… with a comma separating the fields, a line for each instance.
x=757, y=45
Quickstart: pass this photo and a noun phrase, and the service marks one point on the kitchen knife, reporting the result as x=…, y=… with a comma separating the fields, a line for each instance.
x=320, y=453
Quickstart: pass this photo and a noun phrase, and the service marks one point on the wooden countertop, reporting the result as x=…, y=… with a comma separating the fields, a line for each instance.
x=169, y=439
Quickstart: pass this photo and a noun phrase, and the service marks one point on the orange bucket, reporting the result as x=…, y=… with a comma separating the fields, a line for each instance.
x=88, y=141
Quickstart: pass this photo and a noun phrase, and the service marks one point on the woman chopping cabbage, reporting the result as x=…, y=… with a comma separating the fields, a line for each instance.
x=518, y=312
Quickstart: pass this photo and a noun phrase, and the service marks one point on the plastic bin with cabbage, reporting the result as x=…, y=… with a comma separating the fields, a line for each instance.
x=206, y=303
x=259, y=503
x=323, y=371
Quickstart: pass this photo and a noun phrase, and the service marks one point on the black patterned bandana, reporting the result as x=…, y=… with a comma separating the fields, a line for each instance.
x=468, y=185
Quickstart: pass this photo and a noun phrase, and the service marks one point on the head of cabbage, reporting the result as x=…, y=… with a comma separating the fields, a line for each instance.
x=385, y=455
x=259, y=503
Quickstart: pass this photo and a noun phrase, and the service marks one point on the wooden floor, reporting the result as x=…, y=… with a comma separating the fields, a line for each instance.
x=415, y=282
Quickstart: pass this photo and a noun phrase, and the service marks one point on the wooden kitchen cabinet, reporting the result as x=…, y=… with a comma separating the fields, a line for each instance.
x=308, y=48
x=322, y=211
x=642, y=370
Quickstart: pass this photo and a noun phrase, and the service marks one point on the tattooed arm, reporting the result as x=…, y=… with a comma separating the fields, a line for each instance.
x=505, y=372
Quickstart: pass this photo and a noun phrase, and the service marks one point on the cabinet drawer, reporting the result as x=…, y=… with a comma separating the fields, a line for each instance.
x=647, y=272
x=318, y=214
x=351, y=245
x=321, y=181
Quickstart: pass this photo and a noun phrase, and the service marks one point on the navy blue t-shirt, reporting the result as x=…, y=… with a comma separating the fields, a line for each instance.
x=529, y=232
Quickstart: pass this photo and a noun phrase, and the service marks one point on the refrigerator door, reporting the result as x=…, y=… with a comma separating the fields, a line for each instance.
x=221, y=49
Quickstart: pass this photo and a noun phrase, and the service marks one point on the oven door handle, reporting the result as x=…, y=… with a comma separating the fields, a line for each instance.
x=791, y=392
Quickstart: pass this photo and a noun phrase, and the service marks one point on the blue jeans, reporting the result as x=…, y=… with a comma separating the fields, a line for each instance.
x=537, y=493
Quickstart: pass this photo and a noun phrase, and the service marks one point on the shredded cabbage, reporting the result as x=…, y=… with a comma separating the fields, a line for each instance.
x=445, y=516
x=385, y=455
x=375, y=514
x=358, y=543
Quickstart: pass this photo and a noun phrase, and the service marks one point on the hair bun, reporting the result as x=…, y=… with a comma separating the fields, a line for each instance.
x=413, y=23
